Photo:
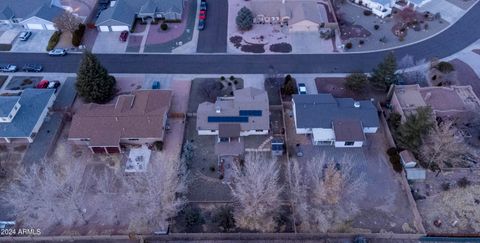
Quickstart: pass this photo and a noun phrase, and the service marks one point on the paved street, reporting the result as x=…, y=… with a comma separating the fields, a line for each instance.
x=213, y=39
x=460, y=35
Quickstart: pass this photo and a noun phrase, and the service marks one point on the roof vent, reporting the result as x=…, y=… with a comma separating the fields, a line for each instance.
x=356, y=104
x=112, y=3
x=217, y=109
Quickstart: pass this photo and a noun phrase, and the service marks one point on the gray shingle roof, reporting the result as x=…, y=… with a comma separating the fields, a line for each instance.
x=25, y=9
x=125, y=11
x=6, y=104
x=319, y=111
x=33, y=102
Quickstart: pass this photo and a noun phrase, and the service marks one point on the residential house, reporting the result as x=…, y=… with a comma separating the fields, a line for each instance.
x=230, y=118
x=445, y=102
x=139, y=118
x=22, y=116
x=122, y=14
x=341, y=122
x=298, y=15
x=31, y=14
x=383, y=8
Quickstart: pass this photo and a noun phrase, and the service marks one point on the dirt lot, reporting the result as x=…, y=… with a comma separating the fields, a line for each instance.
x=336, y=87
x=23, y=82
x=443, y=198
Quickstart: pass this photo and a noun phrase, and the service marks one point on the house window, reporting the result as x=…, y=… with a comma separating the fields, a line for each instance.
x=10, y=116
x=85, y=139
x=133, y=139
x=349, y=143
x=258, y=130
x=212, y=130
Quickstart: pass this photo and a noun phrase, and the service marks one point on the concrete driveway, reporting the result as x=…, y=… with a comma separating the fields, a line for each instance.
x=107, y=42
x=213, y=38
x=36, y=43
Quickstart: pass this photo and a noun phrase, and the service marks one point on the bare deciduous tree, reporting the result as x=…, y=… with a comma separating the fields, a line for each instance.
x=157, y=194
x=47, y=193
x=441, y=148
x=256, y=190
x=324, y=192
x=67, y=22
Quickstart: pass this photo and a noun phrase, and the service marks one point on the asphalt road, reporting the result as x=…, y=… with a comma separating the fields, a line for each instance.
x=213, y=39
x=463, y=33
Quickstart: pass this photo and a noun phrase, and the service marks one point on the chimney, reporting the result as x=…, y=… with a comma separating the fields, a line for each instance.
x=217, y=109
x=356, y=104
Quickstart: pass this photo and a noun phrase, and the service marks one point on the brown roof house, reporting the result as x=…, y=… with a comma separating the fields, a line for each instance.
x=298, y=15
x=342, y=122
x=139, y=118
x=445, y=102
x=246, y=113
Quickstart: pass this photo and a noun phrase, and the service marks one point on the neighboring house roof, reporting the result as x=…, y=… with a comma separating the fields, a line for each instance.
x=443, y=100
x=348, y=130
x=25, y=9
x=6, y=104
x=248, y=107
x=139, y=115
x=321, y=110
x=125, y=11
x=296, y=10
x=33, y=102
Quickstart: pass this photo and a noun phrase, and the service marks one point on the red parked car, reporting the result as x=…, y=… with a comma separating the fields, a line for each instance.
x=42, y=85
x=123, y=36
x=203, y=14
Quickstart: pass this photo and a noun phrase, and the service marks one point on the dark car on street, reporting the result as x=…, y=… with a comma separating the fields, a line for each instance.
x=203, y=6
x=32, y=68
x=201, y=24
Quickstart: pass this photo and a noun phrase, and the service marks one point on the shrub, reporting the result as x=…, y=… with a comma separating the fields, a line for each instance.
x=445, y=67
x=445, y=186
x=367, y=12
x=361, y=42
x=232, y=78
x=78, y=35
x=356, y=82
x=224, y=218
x=54, y=39
x=212, y=168
x=395, y=120
x=158, y=145
x=164, y=26
x=376, y=27
x=192, y=217
x=244, y=19
x=349, y=45
x=222, y=78
x=463, y=182
x=395, y=159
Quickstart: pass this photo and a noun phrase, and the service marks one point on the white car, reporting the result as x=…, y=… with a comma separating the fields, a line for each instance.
x=57, y=52
x=8, y=68
x=302, y=89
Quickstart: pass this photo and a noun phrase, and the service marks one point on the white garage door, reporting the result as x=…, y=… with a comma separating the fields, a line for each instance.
x=119, y=28
x=35, y=26
x=103, y=28
x=50, y=27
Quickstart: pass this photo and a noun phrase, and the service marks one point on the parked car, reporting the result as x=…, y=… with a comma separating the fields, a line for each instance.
x=42, y=84
x=302, y=89
x=57, y=52
x=24, y=35
x=32, y=68
x=53, y=84
x=203, y=14
x=201, y=24
x=123, y=36
x=156, y=85
x=203, y=5
x=8, y=68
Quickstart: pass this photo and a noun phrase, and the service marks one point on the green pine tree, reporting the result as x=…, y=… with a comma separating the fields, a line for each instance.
x=384, y=75
x=244, y=19
x=94, y=84
x=410, y=134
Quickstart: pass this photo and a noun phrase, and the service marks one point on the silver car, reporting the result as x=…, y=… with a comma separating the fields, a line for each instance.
x=24, y=35
x=8, y=68
x=57, y=52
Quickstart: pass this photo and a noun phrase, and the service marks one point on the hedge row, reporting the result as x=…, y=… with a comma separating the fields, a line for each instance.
x=78, y=35
x=54, y=39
